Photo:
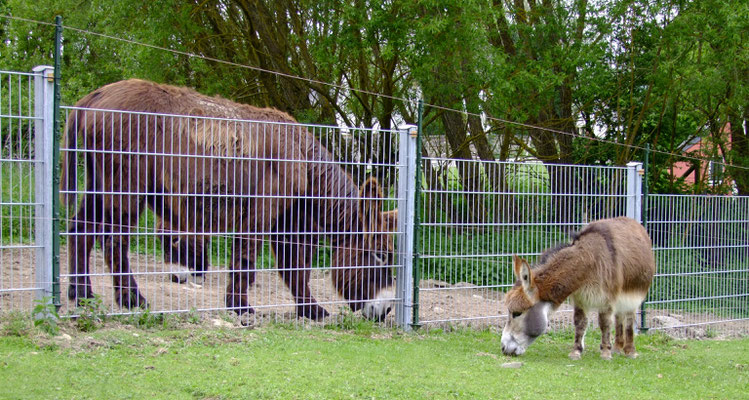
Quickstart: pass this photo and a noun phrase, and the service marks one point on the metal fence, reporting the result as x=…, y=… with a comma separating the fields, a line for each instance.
x=179, y=206
x=202, y=210
x=701, y=246
x=478, y=214
x=23, y=170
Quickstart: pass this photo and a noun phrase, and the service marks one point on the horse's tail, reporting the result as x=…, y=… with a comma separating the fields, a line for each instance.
x=69, y=178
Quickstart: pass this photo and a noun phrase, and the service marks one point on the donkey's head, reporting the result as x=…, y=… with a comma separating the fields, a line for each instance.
x=362, y=264
x=528, y=315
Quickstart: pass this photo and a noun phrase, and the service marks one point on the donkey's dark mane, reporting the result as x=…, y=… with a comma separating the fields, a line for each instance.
x=599, y=229
x=602, y=230
x=548, y=253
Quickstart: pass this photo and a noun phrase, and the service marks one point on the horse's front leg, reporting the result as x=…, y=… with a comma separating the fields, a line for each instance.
x=294, y=259
x=242, y=275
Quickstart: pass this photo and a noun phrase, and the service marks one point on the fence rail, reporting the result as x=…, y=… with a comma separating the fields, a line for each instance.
x=188, y=241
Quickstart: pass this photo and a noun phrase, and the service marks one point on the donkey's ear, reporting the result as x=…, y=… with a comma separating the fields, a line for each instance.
x=370, y=205
x=523, y=272
x=390, y=219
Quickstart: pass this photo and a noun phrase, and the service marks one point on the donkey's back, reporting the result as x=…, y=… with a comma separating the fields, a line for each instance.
x=621, y=263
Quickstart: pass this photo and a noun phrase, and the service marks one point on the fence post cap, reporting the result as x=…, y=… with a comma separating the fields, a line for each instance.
x=413, y=130
x=40, y=68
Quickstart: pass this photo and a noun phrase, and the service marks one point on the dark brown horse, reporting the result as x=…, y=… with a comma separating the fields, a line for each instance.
x=218, y=172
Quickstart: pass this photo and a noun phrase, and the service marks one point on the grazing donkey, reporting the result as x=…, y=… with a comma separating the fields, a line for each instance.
x=608, y=267
x=227, y=167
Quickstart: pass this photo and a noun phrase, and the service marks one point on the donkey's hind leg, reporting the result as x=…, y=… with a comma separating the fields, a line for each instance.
x=619, y=334
x=581, y=325
x=118, y=220
x=629, y=335
x=604, y=321
x=83, y=230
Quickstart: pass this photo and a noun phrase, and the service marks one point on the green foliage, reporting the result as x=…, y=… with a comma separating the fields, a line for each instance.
x=193, y=316
x=16, y=323
x=91, y=313
x=147, y=320
x=45, y=315
x=350, y=322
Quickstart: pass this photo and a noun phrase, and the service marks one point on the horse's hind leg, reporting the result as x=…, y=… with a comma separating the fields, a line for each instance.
x=604, y=321
x=119, y=219
x=85, y=227
x=581, y=325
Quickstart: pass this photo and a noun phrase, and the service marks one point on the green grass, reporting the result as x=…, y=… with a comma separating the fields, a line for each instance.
x=366, y=362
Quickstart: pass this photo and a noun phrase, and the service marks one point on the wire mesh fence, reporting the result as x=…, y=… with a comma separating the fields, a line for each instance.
x=18, y=203
x=233, y=208
x=701, y=245
x=478, y=214
x=258, y=217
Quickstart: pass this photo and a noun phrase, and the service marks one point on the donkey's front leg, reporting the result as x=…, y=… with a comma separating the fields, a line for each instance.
x=604, y=321
x=242, y=275
x=581, y=325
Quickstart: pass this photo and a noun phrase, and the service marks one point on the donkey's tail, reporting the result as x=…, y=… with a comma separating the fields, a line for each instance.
x=69, y=177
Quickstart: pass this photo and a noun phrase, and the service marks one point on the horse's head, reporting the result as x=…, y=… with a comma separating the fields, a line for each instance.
x=528, y=315
x=362, y=263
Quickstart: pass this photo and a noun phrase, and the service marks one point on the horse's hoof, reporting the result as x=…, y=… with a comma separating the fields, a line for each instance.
x=575, y=355
x=312, y=311
x=180, y=274
x=633, y=354
x=239, y=305
x=130, y=298
x=606, y=354
x=78, y=292
x=244, y=310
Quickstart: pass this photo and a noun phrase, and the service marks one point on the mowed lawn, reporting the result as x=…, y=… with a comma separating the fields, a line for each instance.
x=284, y=362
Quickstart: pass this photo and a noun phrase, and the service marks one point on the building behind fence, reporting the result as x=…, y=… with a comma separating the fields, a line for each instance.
x=455, y=237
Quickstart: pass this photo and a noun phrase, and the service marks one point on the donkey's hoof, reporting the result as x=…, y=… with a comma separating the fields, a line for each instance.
x=575, y=355
x=130, y=298
x=632, y=354
x=606, y=354
x=311, y=311
x=618, y=350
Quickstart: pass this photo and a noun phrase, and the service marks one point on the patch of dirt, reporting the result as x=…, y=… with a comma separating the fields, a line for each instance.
x=441, y=305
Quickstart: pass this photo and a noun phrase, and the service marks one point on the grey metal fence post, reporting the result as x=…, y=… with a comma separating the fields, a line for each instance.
x=634, y=190
x=43, y=153
x=406, y=206
x=635, y=174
